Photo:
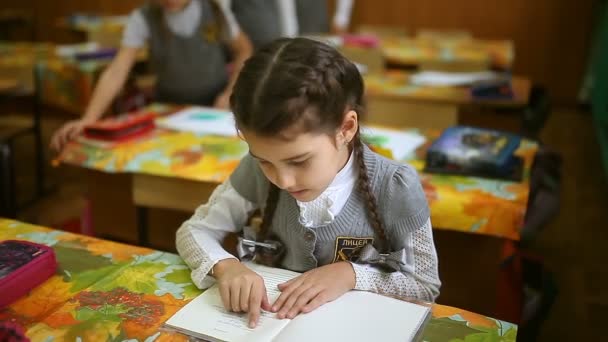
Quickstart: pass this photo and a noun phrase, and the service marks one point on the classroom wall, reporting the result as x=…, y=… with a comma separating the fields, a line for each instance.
x=551, y=36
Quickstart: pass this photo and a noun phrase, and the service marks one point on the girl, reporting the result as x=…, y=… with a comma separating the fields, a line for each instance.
x=266, y=20
x=185, y=40
x=347, y=217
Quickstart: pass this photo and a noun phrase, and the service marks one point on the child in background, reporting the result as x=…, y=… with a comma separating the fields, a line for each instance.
x=345, y=216
x=185, y=41
x=313, y=16
x=266, y=20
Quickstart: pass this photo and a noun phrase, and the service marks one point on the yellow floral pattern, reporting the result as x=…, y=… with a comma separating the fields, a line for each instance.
x=107, y=291
x=468, y=204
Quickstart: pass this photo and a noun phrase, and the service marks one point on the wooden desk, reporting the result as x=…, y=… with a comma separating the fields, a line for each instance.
x=428, y=52
x=105, y=289
x=8, y=85
x=177, y=162
x=17, y=61
x=436, y=50
x=393, y=101
x=107, y=31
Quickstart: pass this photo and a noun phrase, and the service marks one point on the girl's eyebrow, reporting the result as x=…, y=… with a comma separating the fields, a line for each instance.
x=283, y=160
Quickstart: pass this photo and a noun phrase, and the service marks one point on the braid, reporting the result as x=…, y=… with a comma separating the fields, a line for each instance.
x=271, y=205
x=263, y=256
x=365, y=189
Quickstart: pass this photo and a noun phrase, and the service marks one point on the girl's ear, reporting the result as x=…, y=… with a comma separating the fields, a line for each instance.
x=349, y=127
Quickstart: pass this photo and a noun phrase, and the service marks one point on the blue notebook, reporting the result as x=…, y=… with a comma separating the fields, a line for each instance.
x=476, y=152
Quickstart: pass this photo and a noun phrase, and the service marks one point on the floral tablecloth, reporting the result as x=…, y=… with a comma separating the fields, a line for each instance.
x=107, y=291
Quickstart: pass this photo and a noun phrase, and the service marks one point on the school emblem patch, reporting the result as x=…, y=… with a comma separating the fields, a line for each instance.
x=211, y=33
x=348, y=248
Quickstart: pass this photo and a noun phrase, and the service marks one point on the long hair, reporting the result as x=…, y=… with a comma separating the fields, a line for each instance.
x=306, y=84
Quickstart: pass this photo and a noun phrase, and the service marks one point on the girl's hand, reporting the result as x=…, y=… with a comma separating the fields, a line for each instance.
x=313, y=289
x=67, y=132
x=241, y=289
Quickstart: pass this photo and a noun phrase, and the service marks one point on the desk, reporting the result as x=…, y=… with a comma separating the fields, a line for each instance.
x=437, y=50
x=17, y=61
x=109, y=291
x=463, y=54
x=394, y=101
x=105, y=30
x=8, y=85
x=66, y=84
x=182, y=163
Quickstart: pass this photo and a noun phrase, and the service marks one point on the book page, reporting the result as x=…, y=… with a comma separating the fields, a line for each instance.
x=205, y=317
x=200, y=120
x=358, y=316
x=402, y=144
x=272, y=278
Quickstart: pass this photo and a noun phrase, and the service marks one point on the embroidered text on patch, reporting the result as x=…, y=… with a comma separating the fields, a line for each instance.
x=348, y=248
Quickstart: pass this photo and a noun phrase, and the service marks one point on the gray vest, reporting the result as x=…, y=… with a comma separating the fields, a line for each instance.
x=259, y=19
x=312, y=16
x=190, y=70
x=401, y=205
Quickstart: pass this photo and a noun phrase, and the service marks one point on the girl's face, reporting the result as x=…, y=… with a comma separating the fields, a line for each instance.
x=305, y=164
x=173, y=5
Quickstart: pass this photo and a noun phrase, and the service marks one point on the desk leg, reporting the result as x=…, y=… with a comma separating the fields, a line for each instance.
x=40, y=164
x=142, y=226
x=8, y=205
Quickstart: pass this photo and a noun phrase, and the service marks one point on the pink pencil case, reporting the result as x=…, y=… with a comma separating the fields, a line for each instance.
x=23, y=266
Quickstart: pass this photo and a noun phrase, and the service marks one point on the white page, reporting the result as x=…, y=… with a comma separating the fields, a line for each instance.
x=272, y=278
x=440, y=78
x=401, y=143
x=200, y=120
x=357, y=316
x=205, y=317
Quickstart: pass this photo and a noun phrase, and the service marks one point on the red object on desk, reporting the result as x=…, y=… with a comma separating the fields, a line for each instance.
x=122, y=127
x=11, y=332
x=23, y=266
x=361, y=40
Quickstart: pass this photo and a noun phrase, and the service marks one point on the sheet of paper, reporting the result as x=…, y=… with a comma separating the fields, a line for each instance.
x=402, y=144
x=438, y=78
x=357, y=316
x=200, y=120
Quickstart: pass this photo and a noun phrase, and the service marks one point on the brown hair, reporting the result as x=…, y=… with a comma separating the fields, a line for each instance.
x=302, y=83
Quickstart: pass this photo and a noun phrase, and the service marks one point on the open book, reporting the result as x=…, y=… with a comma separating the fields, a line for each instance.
x=356, y=316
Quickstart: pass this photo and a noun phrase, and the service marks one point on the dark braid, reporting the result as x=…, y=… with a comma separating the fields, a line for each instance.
x=365, y=189
x=269, y=209
x=264, y=256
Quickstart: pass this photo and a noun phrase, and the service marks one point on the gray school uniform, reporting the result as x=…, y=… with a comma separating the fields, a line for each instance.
x=402, y=207
x=259, y=19
x=190, y=69
x=312, y=16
